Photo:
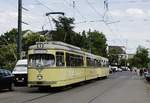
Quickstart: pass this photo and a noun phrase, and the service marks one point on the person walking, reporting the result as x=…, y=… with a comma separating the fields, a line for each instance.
x=141, y=72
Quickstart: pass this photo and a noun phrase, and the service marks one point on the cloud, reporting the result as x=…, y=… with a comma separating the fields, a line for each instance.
x=131, y=12
x=8, y=14
x=9, y=18
x=117, y=13
x=31, y=6
x=135, y=12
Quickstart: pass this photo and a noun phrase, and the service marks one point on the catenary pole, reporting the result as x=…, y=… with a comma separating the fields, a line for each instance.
x=19, y=36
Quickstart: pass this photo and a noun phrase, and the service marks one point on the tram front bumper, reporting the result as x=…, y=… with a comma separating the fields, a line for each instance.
x=41, y=83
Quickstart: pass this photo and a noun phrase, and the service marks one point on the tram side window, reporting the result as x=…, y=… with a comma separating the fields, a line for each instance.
x=60, y=59
x=106, y=64
x=68, y=62
x=80, y=60
x=102, y=62
x=74, y=60
x=90, y=61
x=99, y=63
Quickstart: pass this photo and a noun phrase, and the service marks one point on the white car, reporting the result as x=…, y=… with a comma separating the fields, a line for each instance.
x=119, y=70
x=20, y=72
x=114, y=68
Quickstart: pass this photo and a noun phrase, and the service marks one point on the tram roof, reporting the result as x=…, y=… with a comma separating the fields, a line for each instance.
x=55, y=45
x=62, y=46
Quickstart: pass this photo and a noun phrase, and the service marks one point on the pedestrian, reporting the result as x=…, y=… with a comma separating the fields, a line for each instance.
x=138, y=72
x=141, y=72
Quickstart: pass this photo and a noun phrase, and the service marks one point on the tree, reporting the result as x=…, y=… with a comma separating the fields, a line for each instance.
x=141, y=58
x=8, y=56
x=8, y=53
x=31, y=39
x=64, y=30
x=84, y=43
x=115, y=55
x=97, y=43
x=8, y=37
x=94, y=41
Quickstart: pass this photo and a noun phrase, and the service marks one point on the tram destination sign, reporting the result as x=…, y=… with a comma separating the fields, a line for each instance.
x=40, y=51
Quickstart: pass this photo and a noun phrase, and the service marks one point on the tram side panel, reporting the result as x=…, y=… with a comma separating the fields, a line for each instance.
x=75, y=67
x=75, y=75
x=99, y=72
x=53, y=77
x=91, y=69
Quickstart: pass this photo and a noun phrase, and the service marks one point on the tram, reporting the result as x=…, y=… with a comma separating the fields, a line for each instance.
x=57, y=64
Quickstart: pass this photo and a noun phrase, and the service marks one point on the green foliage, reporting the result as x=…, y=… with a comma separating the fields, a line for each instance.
x=8, y=56
x=31, y=39
x=97, y=43
x=64, y=30
x=115, y=55
x=8, y=53
x=8, y=37
x=123, y=62
x=140, y=59
x=94, y=41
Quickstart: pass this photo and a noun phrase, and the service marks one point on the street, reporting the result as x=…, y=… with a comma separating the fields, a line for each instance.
x=120, y=87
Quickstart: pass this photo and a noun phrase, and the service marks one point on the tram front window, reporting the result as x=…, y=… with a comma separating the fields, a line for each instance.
x=41, y=60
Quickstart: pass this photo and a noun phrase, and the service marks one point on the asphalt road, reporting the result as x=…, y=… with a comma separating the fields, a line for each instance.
x=121, y=87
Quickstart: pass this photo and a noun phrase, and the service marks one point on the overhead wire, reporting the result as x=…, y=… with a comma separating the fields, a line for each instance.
x=49, y=16
x=91, y=21
x=107, y=12
x=98, y=13
x=77, y=10
x=42, y=4
x=92, y=7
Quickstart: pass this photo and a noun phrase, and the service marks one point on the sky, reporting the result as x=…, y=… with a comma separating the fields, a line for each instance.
x=127, y=22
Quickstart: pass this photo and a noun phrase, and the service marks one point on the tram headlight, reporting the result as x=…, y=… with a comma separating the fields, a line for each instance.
x=17, y=78
x=39, y=77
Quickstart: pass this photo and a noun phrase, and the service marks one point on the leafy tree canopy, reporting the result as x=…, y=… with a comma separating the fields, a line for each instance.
x=97, y=43
x=8, y=53
x=141, y=58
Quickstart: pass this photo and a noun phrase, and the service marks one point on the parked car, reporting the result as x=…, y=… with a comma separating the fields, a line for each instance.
x=124, y=68
x=147, y=74
x=119, y=70
x=6, y=79
x=20, y=72
x=114, y=68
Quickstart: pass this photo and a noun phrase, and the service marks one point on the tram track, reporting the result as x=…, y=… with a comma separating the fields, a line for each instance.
x=36, y=98
x=117, y=81
x=108, y=89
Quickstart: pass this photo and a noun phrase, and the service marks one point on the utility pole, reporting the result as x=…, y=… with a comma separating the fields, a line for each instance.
x=74, y=5
x=126, y=42
x=19, y=36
